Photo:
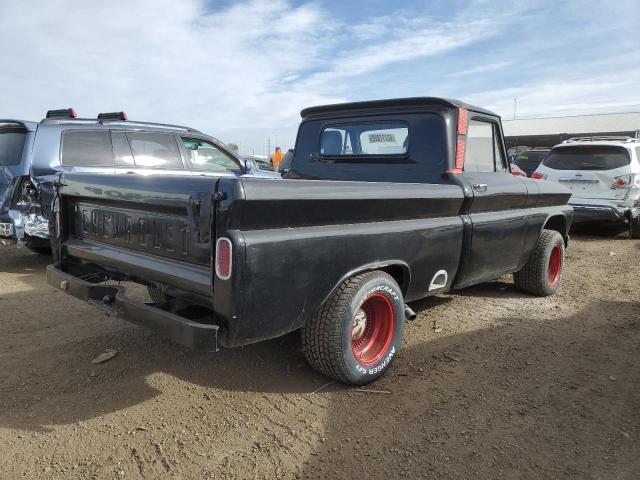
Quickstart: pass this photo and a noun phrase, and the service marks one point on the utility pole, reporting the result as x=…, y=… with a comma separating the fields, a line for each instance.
x=268, y=147
x=515, y=106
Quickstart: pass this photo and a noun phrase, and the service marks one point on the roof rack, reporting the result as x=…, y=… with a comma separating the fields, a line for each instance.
x=603, y=138
x=109, y=121
x=152, y=124
x=62, y=113
x=113, y=116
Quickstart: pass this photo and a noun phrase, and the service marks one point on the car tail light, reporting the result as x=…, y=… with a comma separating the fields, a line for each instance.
x=516, y=171
x=224, y=258
x=538, y=176
x=623, y=181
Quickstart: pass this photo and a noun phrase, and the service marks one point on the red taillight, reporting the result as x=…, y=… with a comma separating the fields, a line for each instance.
x=459, y=154
x=463, y=121
x=621, y=182
x=224, y=252
x=461, y=130
x=538, y=176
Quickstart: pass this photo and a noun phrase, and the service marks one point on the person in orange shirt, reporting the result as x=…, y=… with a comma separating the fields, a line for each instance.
x=277, y=158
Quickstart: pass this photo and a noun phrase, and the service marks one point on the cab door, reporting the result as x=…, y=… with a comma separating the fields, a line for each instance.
x=495, y=209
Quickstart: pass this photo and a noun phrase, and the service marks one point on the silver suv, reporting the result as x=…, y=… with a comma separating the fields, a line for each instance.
x=603, y=174
x=32, y=153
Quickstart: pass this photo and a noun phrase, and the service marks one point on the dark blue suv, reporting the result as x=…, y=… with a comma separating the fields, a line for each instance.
x=32, y=153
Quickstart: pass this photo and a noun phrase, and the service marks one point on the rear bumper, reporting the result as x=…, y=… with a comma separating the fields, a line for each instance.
x=598, y=213
x=113, y=301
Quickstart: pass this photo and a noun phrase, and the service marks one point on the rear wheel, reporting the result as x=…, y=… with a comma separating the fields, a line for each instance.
x=542, y=274
x=356, y=334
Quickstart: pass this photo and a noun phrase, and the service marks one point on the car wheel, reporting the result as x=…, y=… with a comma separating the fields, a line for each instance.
x=542, y=274
x=356, y=334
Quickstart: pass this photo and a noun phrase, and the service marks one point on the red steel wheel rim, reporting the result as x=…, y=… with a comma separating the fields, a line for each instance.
x=555, y=265
x=372, y=329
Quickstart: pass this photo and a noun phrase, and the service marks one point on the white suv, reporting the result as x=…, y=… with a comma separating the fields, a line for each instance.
x=603, y=174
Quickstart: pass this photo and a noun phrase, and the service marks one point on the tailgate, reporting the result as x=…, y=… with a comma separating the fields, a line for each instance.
x=589, y=171
x=153, y=229
x=593, y=185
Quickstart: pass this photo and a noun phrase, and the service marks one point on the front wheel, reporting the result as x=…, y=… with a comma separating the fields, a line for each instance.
x=542, y=274
x=356, y=334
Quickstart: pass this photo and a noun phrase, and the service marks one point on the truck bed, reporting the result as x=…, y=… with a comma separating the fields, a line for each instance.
x=289, y=236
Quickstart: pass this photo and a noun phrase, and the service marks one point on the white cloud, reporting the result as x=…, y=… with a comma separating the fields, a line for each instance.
x=243, y=72
x=483, y=68
x=565, y=96
x=163, y=61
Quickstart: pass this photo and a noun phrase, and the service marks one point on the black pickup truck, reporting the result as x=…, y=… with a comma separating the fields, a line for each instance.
x=385, y=202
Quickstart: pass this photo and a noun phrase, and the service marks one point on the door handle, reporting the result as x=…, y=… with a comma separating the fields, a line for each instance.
x=479, y=187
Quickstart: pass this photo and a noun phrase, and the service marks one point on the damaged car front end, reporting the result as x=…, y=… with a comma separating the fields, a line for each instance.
x=22, y=219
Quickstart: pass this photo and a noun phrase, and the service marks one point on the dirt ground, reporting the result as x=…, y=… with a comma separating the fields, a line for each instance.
x=490, y=383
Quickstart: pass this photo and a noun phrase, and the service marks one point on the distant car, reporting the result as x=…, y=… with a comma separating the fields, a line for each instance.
x=258, y=167
x=529, y=160
x=603, y=174
x=517, y=171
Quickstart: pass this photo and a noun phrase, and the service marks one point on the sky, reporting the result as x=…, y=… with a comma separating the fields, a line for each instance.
x=242, y=71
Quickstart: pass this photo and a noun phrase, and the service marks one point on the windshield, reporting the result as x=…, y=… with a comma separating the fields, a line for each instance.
x=587, y=157
x=11, y=143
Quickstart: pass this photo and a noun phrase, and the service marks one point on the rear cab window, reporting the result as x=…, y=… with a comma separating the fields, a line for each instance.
x=12, y=138
x=588, y=157
x=363, y=139
x=205, y=156
x=405, y=147
x=87, y=148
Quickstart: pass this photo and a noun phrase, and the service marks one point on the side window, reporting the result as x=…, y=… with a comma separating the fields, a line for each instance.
x=154, y=150
x=206, y=156
x=481, y=148
x=501, y=163
x=121, y=149
x=87, y=148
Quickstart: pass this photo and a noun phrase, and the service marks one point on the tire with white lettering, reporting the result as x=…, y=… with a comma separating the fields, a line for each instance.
x=542, y=274
x=357, y=333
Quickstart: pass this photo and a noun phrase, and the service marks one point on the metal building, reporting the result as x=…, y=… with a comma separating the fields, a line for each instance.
x=549, y=131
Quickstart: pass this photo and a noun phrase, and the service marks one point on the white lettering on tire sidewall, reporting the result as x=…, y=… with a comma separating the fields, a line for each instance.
x=384, y=363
